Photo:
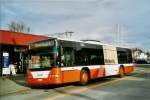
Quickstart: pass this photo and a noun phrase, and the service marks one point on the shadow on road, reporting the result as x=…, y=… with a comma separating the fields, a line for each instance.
x=76, y=84
x=21, y=80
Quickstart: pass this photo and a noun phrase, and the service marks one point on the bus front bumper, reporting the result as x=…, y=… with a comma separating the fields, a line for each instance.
x=43, y=81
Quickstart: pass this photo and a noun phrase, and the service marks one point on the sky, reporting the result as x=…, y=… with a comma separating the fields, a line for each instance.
x=122, y=22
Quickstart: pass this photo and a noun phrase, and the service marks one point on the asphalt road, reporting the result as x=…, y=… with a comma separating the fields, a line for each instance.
x=135, y=86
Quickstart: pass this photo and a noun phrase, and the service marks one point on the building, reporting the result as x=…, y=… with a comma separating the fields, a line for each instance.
x=139, y=54
x=12, y=49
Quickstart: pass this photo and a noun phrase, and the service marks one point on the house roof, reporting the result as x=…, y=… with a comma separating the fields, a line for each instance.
x=16, y=38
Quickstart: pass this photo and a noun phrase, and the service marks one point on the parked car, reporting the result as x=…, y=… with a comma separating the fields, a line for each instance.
x=148, y=60
x=141, y=61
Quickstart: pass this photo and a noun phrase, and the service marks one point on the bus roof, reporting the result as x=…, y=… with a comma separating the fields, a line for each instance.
x=92, y=42
x=79, y=41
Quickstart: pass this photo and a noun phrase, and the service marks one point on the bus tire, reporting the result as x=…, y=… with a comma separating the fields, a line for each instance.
x=84, y=77
x=121, y=72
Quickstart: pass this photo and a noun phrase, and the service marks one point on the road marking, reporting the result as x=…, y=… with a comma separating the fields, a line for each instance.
x=63, y=92
x=79, y=90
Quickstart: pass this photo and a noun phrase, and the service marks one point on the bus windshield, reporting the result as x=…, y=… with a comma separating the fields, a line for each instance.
x=42, y=58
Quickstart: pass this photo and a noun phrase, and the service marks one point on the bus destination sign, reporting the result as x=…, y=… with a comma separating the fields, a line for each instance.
x=42, y=44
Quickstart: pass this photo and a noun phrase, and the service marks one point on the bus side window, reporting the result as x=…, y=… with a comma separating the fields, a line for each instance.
x=122, y=57
x=82, y=57
x=67, y=57
x=87, y=56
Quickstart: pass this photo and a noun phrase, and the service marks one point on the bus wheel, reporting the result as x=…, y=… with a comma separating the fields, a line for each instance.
x=121, y=72
x=84, y=78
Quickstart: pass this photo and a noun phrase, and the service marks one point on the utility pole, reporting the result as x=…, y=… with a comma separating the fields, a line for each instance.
x=118, y=34
x=68, y=33
x=118, y=40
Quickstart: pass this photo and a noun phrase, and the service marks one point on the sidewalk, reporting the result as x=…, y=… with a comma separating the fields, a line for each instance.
x=12, y=84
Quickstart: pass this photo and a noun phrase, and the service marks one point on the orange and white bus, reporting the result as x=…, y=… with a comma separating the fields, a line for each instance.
x=58, y=61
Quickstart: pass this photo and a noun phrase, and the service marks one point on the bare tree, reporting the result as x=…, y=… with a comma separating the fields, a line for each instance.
x=18, y=27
